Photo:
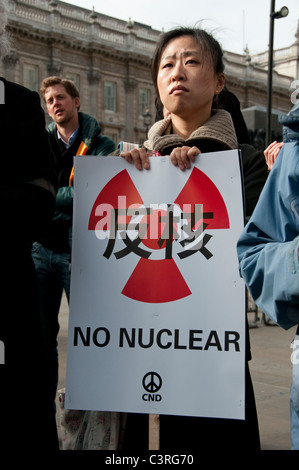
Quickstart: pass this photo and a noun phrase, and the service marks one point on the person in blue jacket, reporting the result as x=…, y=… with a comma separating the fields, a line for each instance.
x=268, y=249
x=71, y=133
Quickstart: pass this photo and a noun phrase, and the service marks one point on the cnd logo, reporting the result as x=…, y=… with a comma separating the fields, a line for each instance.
x=152, y=382
x=295, y=84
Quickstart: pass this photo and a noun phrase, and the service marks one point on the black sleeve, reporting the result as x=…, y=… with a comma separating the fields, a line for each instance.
x=255, y=173
x=25, y=148
x=25, y=156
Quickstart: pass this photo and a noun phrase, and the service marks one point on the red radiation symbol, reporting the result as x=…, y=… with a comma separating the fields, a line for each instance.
x=157, y=281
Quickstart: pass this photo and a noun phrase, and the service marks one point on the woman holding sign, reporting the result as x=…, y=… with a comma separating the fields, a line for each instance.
x=188, y=71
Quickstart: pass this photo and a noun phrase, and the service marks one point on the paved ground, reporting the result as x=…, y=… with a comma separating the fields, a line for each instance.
x=270, y=370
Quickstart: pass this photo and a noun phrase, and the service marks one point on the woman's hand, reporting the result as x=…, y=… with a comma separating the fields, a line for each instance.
x=137, y=156
x=180, y=156
x=183, y=156
x=271, y=153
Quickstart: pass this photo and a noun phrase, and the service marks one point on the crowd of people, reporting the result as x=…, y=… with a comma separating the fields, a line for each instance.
x=195, y=114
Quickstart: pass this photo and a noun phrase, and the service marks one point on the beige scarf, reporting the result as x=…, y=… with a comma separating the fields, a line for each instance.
x=219, y=128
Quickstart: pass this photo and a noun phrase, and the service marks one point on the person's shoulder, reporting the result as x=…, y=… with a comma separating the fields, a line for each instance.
x=288, y=157
x=104, y=144
x=89, y=126
x=86, y=120
x=253, y=160
x=249, y=153
x=51, y=127
x=22, y=103
x=247, y=148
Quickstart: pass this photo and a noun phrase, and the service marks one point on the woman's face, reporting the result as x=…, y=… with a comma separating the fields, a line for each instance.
x=186, y=79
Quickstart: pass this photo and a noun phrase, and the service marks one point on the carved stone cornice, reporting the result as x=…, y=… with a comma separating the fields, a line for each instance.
x=84, y=25
x=71, y=42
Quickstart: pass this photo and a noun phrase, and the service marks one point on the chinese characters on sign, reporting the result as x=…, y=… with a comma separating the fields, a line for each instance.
x=161, y=225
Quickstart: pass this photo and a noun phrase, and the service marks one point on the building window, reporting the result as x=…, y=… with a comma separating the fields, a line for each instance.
x=144, y=100
x=30, y=77
x=110, y=96
x=74, y=77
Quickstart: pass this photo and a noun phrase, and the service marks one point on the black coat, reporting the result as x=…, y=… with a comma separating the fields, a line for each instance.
x=26, y=208
x=25, y=157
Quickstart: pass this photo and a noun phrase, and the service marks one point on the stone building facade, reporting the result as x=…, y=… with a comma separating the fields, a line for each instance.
x=109, y=60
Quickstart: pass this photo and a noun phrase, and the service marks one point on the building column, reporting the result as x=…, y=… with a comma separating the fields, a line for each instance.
x=94, y=78
x=130, y=87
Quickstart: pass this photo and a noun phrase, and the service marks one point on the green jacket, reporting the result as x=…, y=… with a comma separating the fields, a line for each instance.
x=91, y=135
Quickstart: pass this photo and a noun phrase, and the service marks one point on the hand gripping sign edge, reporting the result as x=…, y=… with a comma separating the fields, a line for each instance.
x=158, y=281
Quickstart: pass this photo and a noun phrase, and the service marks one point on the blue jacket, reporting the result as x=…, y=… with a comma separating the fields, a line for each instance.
x=268, y=247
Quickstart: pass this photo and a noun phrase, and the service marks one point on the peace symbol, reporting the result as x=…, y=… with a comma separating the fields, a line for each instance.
x=152, y=382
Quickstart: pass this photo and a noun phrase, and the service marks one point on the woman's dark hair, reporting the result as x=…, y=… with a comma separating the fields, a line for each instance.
x=210, y=48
